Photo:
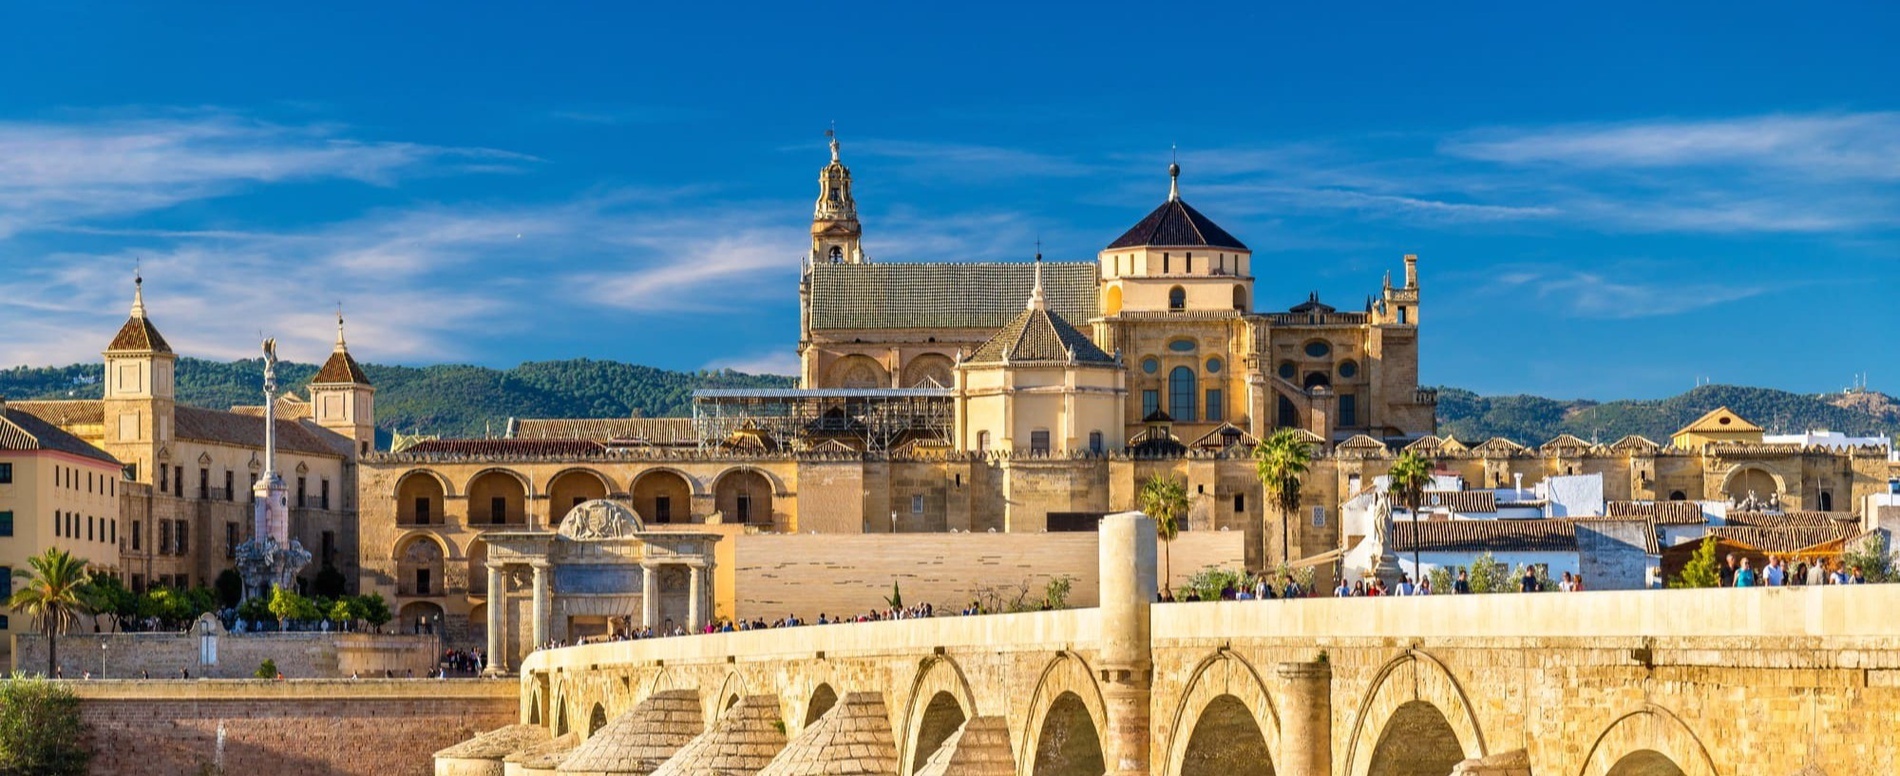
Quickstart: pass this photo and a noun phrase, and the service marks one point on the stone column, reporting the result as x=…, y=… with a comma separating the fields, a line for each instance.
x=497, y=619
x=1127, y=567
x=1306, y=719
x=649, y=597
x=540, y=627
x=693, y=604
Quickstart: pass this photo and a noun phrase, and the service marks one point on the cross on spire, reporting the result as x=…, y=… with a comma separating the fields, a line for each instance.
x=1174, y=173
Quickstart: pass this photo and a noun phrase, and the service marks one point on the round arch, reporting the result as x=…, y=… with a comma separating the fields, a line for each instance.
x=1746, y=474
x=664, y=495
x=936, y=367
x=1177, y=298
x=1221, y=675
x=1112, y=301
x=1651, y=728
x=858, y=371
x=693, y=484
x=421, y=560
x=422, y=497
x=527, y=486
x=402, y=543
x=572, y=487
x=778, y=485
x=937, y=677
x=1240, y=297
x=1411, y=676
x=731, y=691
x=746, y=495
x=498, y=496
x=1065, y=675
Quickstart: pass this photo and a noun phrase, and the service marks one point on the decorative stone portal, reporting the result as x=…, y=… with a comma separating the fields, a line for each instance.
x=599, y=576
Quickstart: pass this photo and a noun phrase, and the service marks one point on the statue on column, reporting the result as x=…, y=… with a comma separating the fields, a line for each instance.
x=1385, y=562
x=270, y=558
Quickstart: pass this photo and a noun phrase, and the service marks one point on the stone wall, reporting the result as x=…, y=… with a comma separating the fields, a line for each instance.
x=297, y=655
x=293, y=728
x=810, y=574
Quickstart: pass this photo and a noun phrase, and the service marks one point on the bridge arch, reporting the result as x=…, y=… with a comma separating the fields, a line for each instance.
x=731, y=690
x=1647, y=742
x=1066, y=695
x=1223, y=692
x=1412, y=692
x=939, y=702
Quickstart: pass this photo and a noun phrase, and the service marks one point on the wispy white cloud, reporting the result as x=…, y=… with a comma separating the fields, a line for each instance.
x=772, y=362
x=1595, y=294
x=55, y=173
x=1827, y=146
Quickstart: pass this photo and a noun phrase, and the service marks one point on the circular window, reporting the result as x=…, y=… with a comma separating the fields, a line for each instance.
x=1182, y=346
x=1723, y=421
x=1213, y=366
x=1286, y=369
x=1348, y=369
x=1150, y=365
x=1318, y=349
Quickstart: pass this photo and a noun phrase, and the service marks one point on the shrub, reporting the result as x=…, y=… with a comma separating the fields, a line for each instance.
x=1872, y=558
x=266, y=669
x=40, y=729
x=1701, y=570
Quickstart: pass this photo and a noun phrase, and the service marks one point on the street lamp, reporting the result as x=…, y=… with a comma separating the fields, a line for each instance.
x=102, y=658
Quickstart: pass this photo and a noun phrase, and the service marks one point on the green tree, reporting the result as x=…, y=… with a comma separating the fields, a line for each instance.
x=896, y=598
x=286, y=605
x=1873, y=560
x=1487, y=575
x=58, y=590
x=1164, y=499
x=1410, y=475
x=112, y=596
x=1281, y=461
x=230, y=587
x=375, y=610
x=345, y=610
x=266, y=669
x=1701, y=570
x=41, y=733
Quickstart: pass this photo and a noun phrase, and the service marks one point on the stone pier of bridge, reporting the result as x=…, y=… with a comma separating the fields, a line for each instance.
x=1640, y=683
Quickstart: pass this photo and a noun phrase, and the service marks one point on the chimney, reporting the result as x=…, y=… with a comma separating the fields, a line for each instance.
x=1411, y=270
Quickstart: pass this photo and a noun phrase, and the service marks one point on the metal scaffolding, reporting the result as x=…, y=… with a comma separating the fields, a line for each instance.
x=789, y=420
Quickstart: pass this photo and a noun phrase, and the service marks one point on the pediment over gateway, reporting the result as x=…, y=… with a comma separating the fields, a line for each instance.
x=600, y=519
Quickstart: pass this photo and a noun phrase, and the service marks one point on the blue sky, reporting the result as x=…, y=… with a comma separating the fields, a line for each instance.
x=1609, y=200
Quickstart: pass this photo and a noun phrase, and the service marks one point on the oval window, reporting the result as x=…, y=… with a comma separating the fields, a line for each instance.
x=1213, y=366
x=1348, y=369
x=1150, y=365
x=1286, y=369
x=1318, y=349
x=1182, y=346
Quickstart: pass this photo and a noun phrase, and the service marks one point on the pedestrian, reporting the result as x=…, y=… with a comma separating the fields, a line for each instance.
x=1775, y=574
x=1528, y=582
x=1745, y=576
x=1344, y=590
x=1461, y=585
x=1728, y=571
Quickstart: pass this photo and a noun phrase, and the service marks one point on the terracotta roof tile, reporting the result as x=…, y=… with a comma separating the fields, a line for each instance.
x=1039, y=337
x=66, y=412
x=341, y=368
x=22, y=430
x=658, y=431
x=1789, y=519
x=138, y=334
x=1176, y=224
x=1785, y=538
x=242, y=430
x=944, y=296
x=508, y=447
x=1659, y=512
x=1474, y=501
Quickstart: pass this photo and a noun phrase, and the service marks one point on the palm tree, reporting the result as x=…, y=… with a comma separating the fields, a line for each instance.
x=1281, y=461
x=58, y=590
x=1409, y=476
x=1164, y=499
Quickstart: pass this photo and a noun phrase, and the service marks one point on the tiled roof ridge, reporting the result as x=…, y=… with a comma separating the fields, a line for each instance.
x=1176, y=224
x=23, y=430
x=340, y=369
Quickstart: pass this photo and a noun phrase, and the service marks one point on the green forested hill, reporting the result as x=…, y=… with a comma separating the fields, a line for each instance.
x=1533, y=420
x=451, y=400
x=459, y=400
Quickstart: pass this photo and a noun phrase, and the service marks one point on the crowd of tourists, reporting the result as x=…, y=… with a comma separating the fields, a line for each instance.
x=1775, y=572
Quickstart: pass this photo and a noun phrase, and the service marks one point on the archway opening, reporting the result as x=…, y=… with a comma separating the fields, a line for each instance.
x=744, y=496
x=419, y=568
x=497, y=498
x=1645, y=762
x=1227, y=742
x=419, y=617
x=1068, y=745
x=662, y=497
x=1112, y=301
x=1177, y=298
x=822, y=699
x=859, y=372
x=478, y=567
x=929, y=368
x=941, y=719
x=1752, y=482
x=1417, y=741
x=419, y=499
x=596, y=720
x=571, y=489
x=1240, y=298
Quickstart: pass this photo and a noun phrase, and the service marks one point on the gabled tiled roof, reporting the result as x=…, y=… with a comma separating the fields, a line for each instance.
x=289, y=407
x=1785, y=538
x=1660, y=512
x=1177, y=225
x=1472, y=501
x=536, y=448
x=1635, y=443
x=1039, y=337
x=69, y=412
x=1362, y=443
x=1499, y=447
x=242, y=430
x=22, y=430
x=659, y=431
x=341, y=368
x=944, y=296
x=1542, y=535
x=1564, y=442
x=138, y=334
x=1788, y=519
x=1720, y=419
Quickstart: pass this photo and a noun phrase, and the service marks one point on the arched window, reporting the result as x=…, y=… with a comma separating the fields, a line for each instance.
x=1316, y=380
x=982, y=441
x=1289, y=415
x=1240, y=298
x=1827, y=501
x=1177, y=298
x=1181, y=394
x=1676, y=495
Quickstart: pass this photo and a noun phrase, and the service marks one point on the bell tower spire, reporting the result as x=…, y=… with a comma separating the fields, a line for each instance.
x=835, y=233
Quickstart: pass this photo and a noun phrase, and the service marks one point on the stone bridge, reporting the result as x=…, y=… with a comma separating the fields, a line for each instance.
x=1647, y=683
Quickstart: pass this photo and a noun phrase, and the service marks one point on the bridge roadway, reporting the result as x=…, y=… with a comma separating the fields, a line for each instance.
x=1642, y=683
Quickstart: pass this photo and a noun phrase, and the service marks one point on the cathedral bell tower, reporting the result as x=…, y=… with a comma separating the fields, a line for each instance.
x=834, y=221
x=139, y=392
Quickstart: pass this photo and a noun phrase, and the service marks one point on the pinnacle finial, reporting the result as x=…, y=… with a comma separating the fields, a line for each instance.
x=832, y=134
x=138, y=291
x=1174, y=174
x=1036, y=301
x=339, y=326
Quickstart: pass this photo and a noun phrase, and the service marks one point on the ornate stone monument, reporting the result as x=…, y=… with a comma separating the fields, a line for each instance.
x=270, y=558
x=1385, y=563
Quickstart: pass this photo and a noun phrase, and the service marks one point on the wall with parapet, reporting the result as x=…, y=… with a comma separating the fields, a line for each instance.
x=297, y=655
x=291, y=728
x=809, y=574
